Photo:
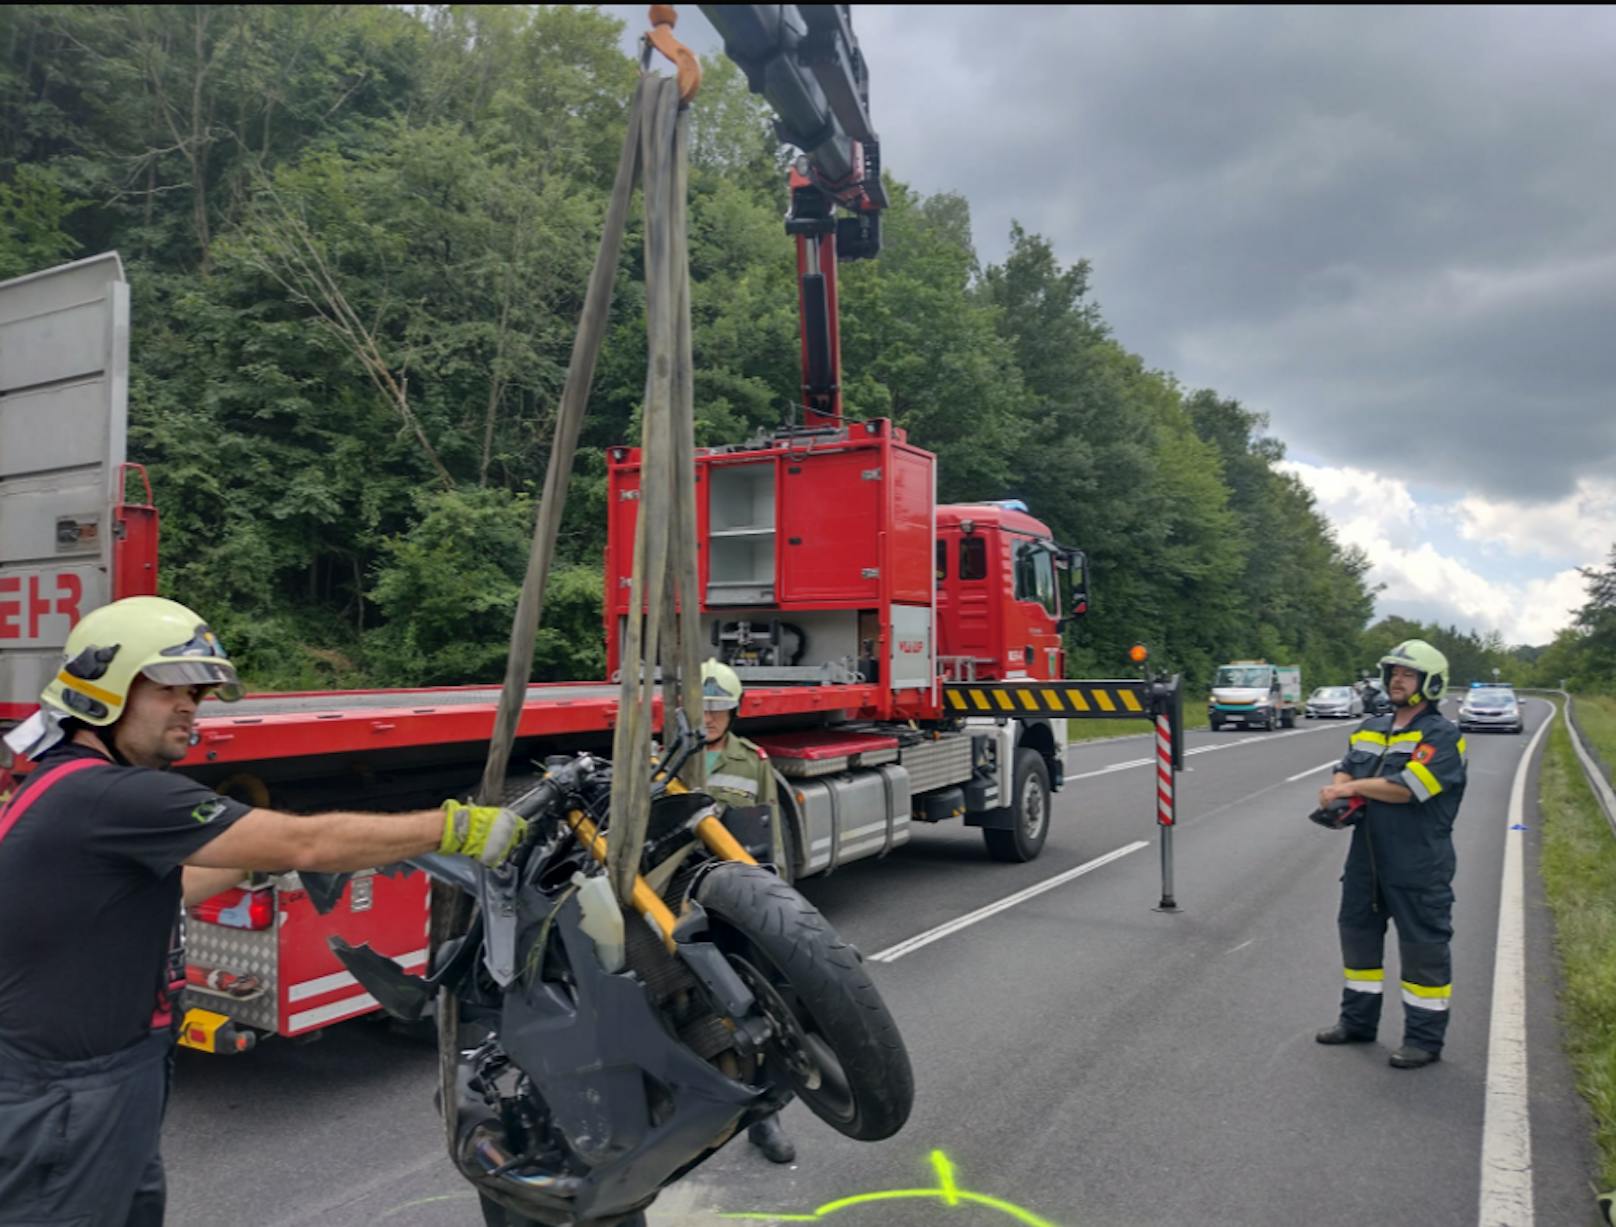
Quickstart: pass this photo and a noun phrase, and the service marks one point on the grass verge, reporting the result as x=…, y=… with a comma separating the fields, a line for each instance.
x=1596, y=715
x=1579, y=878
x=1096, y=730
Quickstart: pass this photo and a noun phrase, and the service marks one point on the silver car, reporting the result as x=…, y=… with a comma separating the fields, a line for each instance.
x=1490, y=707
x=1335, y=702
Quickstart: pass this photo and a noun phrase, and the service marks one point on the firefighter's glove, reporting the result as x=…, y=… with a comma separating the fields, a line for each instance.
x=1340, y=814
x=486, y=833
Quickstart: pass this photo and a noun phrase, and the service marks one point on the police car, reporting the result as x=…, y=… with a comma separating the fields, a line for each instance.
x=1490, y=705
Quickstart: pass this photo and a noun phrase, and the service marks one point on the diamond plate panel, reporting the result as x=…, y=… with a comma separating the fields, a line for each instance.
x=240, y=952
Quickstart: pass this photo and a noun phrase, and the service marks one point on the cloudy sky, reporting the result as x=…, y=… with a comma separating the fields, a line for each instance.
x=1391, y=230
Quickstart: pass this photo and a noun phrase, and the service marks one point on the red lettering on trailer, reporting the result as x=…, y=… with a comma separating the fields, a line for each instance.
x=913, y=647
x=9, y=629
x=36, y=605
x=61, y=594
x=70, y=591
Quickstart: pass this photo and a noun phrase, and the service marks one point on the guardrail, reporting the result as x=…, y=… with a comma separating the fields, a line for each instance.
x=1597, y=781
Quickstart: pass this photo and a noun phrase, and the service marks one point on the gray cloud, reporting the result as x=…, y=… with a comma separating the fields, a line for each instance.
x=1391, y=229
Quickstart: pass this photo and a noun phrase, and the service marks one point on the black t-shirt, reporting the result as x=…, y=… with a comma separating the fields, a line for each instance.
x=90, y=890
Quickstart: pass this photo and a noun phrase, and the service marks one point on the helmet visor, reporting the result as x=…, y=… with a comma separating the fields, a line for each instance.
x=198, y=672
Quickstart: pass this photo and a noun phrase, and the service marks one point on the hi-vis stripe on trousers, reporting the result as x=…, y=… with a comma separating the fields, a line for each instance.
x=1073, y=700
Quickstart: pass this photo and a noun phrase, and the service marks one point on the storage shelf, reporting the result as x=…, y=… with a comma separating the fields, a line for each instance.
x=741, y=532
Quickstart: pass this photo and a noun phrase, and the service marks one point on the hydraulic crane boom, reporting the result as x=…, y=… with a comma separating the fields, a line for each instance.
x=805, y=62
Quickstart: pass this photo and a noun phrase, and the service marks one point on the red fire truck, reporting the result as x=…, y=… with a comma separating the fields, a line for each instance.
x=901, y=659
x=892, y=651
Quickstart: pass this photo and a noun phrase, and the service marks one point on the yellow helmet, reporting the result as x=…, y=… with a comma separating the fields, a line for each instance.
x=720, y=686
x=1427, y=661
x=139, y=635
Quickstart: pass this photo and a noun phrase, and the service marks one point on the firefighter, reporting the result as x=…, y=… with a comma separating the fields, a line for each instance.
x=738, y=773
x=1409, y=767
x=98, y=846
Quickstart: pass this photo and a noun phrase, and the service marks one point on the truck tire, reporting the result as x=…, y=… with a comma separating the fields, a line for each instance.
x=1029, y=807
x=1289, y=719
x=848, y=1062
x=1216, y=722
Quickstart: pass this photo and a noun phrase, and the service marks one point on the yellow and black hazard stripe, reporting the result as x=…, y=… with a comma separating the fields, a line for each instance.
x=1030, y=698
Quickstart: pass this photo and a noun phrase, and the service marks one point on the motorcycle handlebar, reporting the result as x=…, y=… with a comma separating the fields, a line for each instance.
x=557, y=784
x=685, y=743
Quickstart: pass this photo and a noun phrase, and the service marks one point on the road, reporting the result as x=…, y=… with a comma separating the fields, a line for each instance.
x=1079, y=1056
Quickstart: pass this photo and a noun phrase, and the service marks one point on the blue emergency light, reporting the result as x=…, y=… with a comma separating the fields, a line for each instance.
x=1008, y=504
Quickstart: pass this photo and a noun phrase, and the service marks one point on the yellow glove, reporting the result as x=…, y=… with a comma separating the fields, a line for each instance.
x=486, y=833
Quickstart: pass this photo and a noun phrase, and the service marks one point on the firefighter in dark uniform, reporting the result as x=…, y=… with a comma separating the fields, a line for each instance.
x=738, y=773
x=1409, y=767
x=98, y=847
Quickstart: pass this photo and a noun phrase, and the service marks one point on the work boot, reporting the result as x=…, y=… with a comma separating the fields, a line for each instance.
x=1410, y=1057
x=1339, y=1034
x=770, y=1137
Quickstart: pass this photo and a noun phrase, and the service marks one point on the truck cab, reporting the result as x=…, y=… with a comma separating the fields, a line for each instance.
x=1004, y=591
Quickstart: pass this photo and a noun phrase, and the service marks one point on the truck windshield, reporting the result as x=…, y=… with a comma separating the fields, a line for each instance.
x=1243, y=675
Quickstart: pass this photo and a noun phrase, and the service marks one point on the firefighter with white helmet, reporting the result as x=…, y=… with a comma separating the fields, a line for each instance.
x=738, y=774
x=98, y=847
x=1409, y=769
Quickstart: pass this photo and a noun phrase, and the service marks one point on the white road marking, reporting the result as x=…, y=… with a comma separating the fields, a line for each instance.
x=1089, y=775
x=1223, y=745
x=1506, y=1132
x=1291, y=779
x=1241, y=946
x=893, y=953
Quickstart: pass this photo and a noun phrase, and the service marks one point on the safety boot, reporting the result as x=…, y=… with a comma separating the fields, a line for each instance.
x=1341, y=1034
x=769, y=1136
x=1410, y=1057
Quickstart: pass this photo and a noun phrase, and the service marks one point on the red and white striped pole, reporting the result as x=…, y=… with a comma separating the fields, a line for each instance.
x=1166, y=806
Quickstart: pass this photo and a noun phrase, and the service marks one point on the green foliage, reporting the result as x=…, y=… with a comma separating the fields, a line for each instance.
x=1579, y=864
x=448, y=590
x=358, y=239
x=33, y=209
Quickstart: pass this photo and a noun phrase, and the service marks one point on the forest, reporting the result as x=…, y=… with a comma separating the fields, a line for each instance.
x=357, y=240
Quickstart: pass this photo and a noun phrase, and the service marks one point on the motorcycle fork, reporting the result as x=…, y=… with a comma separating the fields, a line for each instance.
x=646, y=902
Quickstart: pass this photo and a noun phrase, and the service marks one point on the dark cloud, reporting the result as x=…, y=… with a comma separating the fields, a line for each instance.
x=1391, y=229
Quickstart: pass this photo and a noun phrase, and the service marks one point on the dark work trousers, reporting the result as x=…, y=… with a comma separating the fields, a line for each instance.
x=78, y=1139
x=1424, y=920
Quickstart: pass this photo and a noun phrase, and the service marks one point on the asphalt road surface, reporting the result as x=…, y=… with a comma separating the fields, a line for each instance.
x=1080, y=1057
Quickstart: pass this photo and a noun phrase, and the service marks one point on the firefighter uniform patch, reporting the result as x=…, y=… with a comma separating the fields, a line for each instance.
x=1425, y=753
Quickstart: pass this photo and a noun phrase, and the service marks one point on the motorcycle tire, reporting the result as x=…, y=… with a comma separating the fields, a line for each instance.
x=845, y=1059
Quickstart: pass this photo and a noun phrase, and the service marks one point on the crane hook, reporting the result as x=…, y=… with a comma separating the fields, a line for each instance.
x=663, y=18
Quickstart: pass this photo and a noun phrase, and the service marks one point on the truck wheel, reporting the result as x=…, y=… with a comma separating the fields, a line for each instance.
x=1289, y=720
x=1215, y=723
x=838, y=1046
x=1029, y=809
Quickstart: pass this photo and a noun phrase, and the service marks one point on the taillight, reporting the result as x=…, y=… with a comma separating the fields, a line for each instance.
x=238, y=909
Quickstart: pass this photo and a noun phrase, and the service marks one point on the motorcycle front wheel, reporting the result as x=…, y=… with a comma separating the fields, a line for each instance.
x=840, y=1048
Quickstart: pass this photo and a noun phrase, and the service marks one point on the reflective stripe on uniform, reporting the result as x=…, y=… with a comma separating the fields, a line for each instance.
x=1399, y=738
x=1427, y=996
x=735, y=783
x=1365, y=979
x=1464, y=750
x=1368, y=737
x=1419, y=781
